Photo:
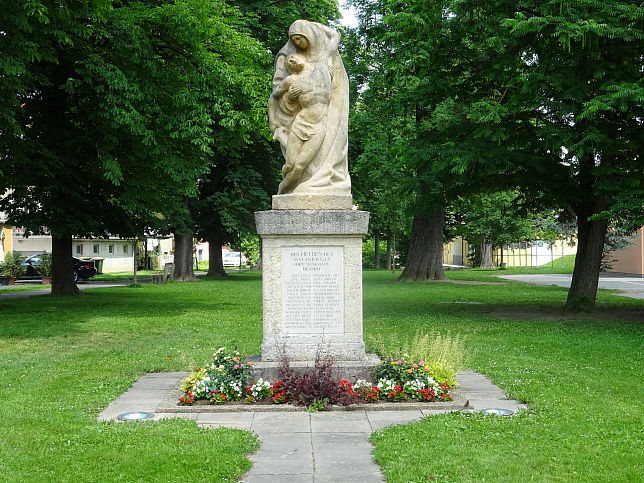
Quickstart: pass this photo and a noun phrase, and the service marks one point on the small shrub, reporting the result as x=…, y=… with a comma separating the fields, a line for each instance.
x=12, y=266
x=44, y=266
x=443, y=355
x=366, y=390
x=193, y=379
x=315, y=384
x=259, y=390
x=227, y=376
x=318, y=405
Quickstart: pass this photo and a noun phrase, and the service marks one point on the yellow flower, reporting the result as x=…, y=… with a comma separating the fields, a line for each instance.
x=410, y=371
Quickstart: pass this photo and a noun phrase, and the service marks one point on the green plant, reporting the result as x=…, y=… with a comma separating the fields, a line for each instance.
x=401, y=370
x=317, y=383
x=259, y=390
x=435, y=348
x=224, y=380
x=443, y=373
x=318, y=405
x=44, y=264
x=12, y=266
x=193, y=379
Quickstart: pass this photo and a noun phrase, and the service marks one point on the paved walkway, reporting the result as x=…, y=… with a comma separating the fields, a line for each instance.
x=299, y=446
x=628, y=286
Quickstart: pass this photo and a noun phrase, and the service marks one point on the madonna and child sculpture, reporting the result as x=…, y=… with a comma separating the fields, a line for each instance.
x=308, y=113
x=312, y=238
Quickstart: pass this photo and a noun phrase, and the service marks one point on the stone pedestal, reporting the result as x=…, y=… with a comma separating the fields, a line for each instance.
x=312, y=287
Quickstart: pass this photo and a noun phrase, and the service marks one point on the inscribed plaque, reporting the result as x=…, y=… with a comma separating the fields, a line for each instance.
x=313, y=290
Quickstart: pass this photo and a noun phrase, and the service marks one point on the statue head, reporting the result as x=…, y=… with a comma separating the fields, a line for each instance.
x=301, y=34
x=300, y=41
x=295, y=63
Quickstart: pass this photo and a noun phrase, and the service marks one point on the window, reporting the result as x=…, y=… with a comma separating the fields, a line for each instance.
x=79, y=249
x=95, y=248
x=124, y=248
x=110, y=249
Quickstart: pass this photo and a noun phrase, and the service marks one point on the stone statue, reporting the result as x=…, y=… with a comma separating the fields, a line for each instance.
x=308, y=112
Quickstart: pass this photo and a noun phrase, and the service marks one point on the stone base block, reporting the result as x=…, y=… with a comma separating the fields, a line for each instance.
x=297, y=201
x=350, y=370
x=304, y=347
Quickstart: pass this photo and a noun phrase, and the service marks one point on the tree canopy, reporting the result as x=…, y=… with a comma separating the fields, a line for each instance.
x=111, y=110
x=544, y=96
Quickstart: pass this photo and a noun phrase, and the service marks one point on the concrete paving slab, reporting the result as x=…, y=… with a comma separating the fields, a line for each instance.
x=365, y=477
x=243, y=426
x=282, y=423
x=293, y=428
x=340, y=422
x=481, y=404
x=275, y=451
x=286, y=466
x=382, y=419
x=143, y=396
x=273, y=478
x=233, y=418
x=160, y=381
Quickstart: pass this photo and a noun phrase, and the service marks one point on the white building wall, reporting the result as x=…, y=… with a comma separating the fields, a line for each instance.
x=117, y=254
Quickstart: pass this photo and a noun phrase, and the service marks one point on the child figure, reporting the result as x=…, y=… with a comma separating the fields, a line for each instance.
x=286, y=95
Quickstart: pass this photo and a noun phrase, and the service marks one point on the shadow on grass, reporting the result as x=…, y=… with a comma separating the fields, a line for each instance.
x=118, y=308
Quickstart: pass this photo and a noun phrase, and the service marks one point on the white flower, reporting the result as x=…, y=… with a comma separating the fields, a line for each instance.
x=362, y=384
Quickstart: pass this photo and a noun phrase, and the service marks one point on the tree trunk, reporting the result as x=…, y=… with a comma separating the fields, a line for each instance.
x=183, y=271
x=389, y=257
x=425, y=256
x=376, y=256
x=486, y=255
x=215, y=262
x=62, y=267
x=585, y=276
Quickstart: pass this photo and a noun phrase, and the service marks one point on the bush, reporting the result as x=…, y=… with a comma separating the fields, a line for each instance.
x=369, y=253
x=313, y=385
x=225, y=380
x=443, y=355
x=12, y=266
x=44, y=265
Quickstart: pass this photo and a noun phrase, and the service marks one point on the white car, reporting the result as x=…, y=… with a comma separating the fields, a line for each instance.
x=231, y=259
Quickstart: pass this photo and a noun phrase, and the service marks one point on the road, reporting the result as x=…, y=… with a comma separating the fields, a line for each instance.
x=628, y=286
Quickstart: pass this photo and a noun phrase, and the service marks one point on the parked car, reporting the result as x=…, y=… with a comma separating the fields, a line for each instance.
x=83, y=269
x=231, y=259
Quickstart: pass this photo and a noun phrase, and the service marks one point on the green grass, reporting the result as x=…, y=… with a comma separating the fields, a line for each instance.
x=581, y=375
x=62, y=360
x=28, y=287
x=550, y=267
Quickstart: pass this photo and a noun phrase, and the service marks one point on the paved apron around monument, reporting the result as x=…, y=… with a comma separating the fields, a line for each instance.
x=300, y=446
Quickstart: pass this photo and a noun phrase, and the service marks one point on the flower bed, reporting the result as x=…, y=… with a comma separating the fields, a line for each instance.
x=228, y=380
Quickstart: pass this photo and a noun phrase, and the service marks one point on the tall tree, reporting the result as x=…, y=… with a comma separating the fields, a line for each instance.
x=243, y=175
x=547, y=96
x=554, y=102
x=110, y=111
x=487, y=220
x=403, y=84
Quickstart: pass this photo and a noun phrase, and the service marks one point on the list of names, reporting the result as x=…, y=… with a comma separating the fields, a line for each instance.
x=312, y=290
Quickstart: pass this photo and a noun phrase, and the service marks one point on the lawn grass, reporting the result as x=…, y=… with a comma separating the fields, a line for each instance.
x=62, y=360
x=581, y=375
